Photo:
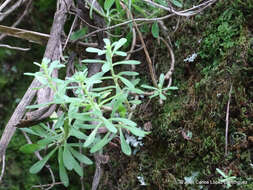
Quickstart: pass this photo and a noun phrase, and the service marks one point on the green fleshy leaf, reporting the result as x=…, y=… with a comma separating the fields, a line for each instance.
x=109, y=126
x=155, y=30
x=120, y=53
x=136, y=131
x=60, y=121
x=127, y=62
x=78, y=169
x=177, y=3
x=148, y=87
x=127, y=83
x=137, y=91
x=40, y=131
x=30, y=131
x=124, y=146
x=162, y=96
x=62, y=171
x=161, y=80
x=106, y=67
x=78, y=134
x=95, y=50
x=91, y=137
x=93, y=61
x=40, y=164
x=137, y=102
x=102, y=143
x=118, y=102
x=108, y=4
x=122, y=110
x=119, y=44
x=83, y=126
x=48, y=140
x=68, y=159
x=171, y=88
x=78, y=34
x=124, y=121
x=30, y=148
x=129, y=73
x=82, y=158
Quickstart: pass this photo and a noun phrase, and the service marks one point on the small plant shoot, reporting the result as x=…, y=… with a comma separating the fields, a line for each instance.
x=87, y=107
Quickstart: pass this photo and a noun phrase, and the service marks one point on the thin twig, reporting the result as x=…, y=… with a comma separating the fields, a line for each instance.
x=168, y=75
x=128, y=57
x=3, y=168
x=133, y=41
x=46, y=185
x=37, y=154
x=188, y=12
x=14, y=48
x=150, y=65
x=227, y=120
x=128, y=22
x=78, y=15
x=136, y=50
x=154, y=57
x=70, y=32
x=177, y=25
x=11, y=9
x=100, y=159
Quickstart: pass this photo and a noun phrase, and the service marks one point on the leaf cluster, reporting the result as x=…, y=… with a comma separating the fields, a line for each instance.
x=84, y=115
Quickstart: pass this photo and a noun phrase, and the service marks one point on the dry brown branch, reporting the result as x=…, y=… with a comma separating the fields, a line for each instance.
x=100, y=159
x=20, y=18
x=52, y=53
x=4, y=4
x=35, y=37
x=98, y=172
x=227, y=121
x=16, y=117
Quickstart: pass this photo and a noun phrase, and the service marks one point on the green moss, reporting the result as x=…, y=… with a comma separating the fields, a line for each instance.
x=199, y=106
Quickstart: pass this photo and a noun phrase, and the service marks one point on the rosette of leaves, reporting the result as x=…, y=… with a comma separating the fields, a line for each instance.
x=160, y=91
